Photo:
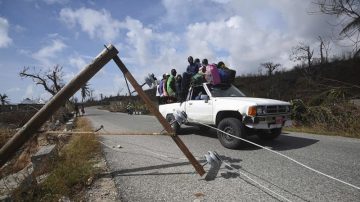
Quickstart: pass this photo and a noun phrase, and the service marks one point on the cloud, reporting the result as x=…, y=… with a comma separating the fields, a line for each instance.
x=68, y=76
x=5, y=40
x=98, y=24
x=19, y=28
x=144, y=44
x=180, y=13
x=29, y=93
x=221, y=1
x=242, y=44
x=47, y=53
x=78, y=62
x=246, y=33
x=16, y=89
x=55, y=1
x=241, y=33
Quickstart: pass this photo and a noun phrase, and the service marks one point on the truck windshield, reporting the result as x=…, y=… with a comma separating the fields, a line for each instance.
x=224, y=90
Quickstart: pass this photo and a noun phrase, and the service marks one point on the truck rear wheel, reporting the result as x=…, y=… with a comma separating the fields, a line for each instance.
x=234, y=127
x=269, y=135
x=174, y=124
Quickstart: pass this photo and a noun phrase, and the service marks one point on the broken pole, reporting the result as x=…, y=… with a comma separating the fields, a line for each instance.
x=158, y=115
x=32, y=126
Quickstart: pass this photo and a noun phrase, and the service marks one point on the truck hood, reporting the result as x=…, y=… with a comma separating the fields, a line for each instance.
x=250, y=101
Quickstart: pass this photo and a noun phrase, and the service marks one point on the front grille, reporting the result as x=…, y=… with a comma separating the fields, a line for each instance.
x=281, y=109
x=271, y=109
x=274, y=109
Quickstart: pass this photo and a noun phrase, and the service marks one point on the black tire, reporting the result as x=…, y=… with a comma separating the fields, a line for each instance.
x=269, y=135
x=234, y=127
x=174, y=124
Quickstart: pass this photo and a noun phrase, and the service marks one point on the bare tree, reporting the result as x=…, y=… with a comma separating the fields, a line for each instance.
x=4, y=99
x=302, y=52
x=270, y=67
x=324, y=50
x=51, y=80
x=349, y=11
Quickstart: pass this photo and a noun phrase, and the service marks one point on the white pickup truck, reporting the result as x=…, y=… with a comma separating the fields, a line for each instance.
x=227, y=108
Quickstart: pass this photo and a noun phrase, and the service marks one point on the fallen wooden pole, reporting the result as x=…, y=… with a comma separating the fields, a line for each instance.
x=158, y=115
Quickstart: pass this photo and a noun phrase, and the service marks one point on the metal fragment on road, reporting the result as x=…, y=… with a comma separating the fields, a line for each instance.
x=215, y=162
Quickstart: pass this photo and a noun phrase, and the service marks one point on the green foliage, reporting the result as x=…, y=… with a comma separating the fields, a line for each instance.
x=328, y=113
x=331, y=96
x=299, y=109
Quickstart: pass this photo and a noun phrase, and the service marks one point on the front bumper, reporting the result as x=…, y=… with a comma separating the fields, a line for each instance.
x=267, y=122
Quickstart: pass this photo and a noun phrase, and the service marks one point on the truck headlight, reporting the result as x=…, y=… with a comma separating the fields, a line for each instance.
x=260, y=110
x=252, y=111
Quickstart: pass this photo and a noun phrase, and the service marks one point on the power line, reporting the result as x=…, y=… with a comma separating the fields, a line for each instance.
x=291, y=159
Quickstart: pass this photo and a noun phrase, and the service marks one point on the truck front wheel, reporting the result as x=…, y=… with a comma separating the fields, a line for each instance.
x=234, y=127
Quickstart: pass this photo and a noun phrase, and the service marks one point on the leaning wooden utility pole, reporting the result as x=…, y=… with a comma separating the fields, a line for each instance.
x=32, y=126
x=159, y=117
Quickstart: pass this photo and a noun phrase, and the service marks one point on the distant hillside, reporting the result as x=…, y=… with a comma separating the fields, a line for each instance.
x=304, y=83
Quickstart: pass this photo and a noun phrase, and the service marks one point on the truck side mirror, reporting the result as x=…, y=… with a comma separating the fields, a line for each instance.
x=204, y=97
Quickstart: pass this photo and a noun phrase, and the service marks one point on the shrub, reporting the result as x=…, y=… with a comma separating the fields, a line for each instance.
x=330, y=113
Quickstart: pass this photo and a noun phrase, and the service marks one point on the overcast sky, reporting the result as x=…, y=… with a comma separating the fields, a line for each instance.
x=152, y=36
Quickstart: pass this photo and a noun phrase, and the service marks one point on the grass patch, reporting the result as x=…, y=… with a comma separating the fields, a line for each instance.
x=5, y=135
x=72, y=169
x=319, y=131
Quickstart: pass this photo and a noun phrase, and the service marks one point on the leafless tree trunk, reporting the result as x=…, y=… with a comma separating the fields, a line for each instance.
x=322, y=60
x=302, y=52
x=270, y=67
x=50, y=80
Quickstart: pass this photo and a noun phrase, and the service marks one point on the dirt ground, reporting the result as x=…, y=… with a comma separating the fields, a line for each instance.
x=102, y=187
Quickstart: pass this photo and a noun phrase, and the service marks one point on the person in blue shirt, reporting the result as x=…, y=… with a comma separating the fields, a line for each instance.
x=192, y=68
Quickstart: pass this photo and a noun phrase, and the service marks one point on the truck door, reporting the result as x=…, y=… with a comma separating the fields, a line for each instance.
x=199, y=107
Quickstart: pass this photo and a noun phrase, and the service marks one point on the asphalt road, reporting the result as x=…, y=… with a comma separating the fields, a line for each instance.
x=152, y=168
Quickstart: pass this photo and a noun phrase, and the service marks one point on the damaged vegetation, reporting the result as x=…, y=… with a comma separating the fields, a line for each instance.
x=72, y=168
x=328, y=113
x=323, y=96
x=67, y=175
